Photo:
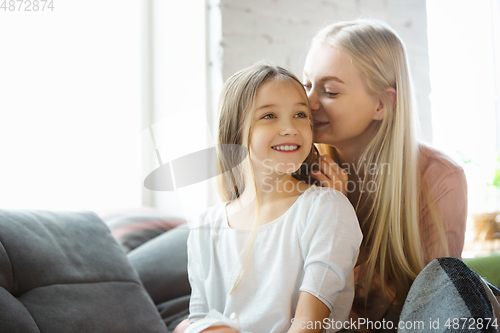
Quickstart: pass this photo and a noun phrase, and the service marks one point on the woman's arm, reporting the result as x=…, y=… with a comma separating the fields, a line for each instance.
x=449, y=201
x=309, y=310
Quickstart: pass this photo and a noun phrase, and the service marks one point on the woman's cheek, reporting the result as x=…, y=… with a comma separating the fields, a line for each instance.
x=330, y=106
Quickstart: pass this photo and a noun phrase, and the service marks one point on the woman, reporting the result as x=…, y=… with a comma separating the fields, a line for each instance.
x=410, y=199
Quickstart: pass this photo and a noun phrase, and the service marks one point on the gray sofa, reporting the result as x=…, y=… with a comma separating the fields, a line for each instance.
x=159, y=257
x=64, y=272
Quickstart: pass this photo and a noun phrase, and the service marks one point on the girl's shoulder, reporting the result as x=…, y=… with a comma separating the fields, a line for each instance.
x=211, y=218
x=315, y=191
x=324, y=198
x=327, y=210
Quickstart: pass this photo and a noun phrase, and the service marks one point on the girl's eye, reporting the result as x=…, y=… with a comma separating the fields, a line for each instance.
x=330, y=94
x=268, y=116
x=301, y=115
x=307, y=86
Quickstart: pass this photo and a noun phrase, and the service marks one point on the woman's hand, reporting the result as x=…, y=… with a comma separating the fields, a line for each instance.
x=330, y=174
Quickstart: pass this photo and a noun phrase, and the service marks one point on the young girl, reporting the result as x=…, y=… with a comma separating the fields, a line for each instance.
x=278, y=255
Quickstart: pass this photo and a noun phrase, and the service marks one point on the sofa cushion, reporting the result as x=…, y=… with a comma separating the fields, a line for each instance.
x=64, y=272
x=447, y=296
x=134, y=227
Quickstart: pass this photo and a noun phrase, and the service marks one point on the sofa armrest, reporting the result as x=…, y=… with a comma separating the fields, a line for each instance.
x=65, y=272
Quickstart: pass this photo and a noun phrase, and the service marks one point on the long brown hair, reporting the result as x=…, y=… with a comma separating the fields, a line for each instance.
x=236, y=110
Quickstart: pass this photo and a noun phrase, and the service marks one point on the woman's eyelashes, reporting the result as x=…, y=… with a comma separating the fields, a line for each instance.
x=330, y=94
x=308, y=86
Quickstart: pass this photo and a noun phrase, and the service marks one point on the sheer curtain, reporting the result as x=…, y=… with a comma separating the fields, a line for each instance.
x=175, y=122
x=464, y=52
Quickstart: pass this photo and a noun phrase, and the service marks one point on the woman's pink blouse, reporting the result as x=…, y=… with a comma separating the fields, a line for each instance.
x=448, y=191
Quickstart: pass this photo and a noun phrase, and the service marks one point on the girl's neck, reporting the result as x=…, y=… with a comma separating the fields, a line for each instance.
x=276, y=195
x=271, y=188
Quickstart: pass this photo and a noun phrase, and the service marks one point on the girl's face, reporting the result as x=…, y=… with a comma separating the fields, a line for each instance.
x=281, y=128
x=344, y=111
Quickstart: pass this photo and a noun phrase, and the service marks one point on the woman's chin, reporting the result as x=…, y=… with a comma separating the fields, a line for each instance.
x=322, y=139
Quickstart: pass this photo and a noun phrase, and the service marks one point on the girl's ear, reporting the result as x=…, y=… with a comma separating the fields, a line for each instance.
x=379, y=113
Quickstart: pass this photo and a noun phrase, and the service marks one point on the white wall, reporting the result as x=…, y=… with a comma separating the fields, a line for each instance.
x=279, y=31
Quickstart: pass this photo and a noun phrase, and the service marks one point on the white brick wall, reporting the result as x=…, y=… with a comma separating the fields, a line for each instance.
x=243, y=32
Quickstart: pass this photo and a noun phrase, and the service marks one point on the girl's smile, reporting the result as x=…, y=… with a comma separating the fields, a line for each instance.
x=281, y=133
x=287, y=148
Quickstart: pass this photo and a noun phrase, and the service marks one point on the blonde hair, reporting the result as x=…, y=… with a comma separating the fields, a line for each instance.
x=393, y=237
x=236, y=109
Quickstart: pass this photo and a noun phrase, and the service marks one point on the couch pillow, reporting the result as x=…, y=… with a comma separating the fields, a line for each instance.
x=131, y=228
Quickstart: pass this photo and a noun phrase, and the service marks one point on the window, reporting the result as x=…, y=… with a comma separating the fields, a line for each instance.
x=70, y=106
x=464, y=52
x=178, y=111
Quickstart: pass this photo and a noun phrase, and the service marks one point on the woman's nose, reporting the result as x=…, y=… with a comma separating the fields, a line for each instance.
x=313, y=99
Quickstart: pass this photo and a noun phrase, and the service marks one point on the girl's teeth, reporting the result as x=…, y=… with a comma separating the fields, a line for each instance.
x=286, y=147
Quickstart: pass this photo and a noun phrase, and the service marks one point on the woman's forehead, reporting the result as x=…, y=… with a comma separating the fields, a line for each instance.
x=327, y=63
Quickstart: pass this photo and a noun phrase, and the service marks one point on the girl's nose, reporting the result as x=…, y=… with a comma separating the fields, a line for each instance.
x=289, y=129
x=313, y=100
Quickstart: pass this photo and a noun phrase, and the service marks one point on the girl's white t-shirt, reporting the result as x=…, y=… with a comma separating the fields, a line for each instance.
x=312, y=247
